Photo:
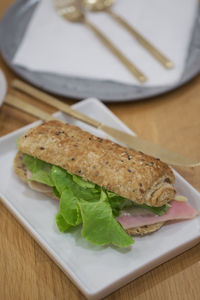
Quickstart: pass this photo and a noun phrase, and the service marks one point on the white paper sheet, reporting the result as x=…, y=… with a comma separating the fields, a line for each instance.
x=54, y=45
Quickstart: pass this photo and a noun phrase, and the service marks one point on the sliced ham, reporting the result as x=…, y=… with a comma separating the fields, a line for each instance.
x=177, y=211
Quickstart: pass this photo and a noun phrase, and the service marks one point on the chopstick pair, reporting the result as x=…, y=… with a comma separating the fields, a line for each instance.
x=129, y=140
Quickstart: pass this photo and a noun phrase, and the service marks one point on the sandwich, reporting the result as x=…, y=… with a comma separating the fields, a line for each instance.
x=111, y=191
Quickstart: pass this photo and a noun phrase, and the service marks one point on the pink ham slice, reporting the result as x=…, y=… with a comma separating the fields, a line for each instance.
x=177, y=211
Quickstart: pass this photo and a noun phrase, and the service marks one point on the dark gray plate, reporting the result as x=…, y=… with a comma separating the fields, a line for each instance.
x=12, y=29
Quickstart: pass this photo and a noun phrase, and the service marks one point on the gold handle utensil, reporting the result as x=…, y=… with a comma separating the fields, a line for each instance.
x=71, y=11
x=52, y=101
x=28, y=108
x=105, y=5
x=134, y=142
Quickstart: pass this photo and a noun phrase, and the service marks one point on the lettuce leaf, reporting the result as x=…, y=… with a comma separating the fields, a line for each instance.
x=83, y=202
x=41, y=171
x=55, y=191
x=85, y=184
x=160, y=210
x=116, y=203
x=74, y=206
x=63, y=179
x=63, y=226
x=69, y=208
x=100, y=227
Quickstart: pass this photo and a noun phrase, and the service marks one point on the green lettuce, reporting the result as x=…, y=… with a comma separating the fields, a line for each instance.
x=63, y=226
x=161, y=210
x=41, y=171
x=63, y=179
x=85, y=184
x=100, y=227
x=83, y=202
x=116, y=202
x=69, y=208
x=157, y=210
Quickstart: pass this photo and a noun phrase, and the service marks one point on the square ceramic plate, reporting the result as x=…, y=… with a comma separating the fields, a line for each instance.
x=97, y=271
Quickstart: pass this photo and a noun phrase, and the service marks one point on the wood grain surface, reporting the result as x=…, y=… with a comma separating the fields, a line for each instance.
x=26, y=272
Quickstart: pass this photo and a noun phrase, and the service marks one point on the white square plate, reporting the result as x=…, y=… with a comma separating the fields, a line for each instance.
x=97, y=271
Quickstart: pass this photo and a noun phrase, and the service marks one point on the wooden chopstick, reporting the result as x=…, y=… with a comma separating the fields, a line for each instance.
x=28, y=108
x=50, y=100
x=131, y=141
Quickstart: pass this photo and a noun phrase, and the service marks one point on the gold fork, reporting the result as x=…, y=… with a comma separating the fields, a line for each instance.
x=105, y=5
x=71, y=11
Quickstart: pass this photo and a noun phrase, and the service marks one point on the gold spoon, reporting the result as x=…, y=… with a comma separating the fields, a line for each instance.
x=99, y=5
x=71, y=11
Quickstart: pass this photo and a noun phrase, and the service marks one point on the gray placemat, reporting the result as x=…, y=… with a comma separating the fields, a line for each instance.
x=12, y=29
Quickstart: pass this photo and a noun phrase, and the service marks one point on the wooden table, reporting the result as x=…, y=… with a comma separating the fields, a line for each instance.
x=26, y=272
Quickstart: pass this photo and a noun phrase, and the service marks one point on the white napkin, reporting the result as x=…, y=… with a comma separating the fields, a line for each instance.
x=54, y=45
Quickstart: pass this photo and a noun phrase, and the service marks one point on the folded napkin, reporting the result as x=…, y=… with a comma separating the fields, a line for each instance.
x=52, y=44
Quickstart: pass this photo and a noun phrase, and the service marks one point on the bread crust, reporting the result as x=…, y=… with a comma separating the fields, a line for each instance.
x=131, y=174
x=143, y=230
x=21, y=171
x=19, y=166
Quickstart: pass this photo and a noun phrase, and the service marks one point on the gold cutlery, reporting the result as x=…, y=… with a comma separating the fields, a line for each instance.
x=28, y=108
x=137, y=143
x=72, y=12
x=105, y=5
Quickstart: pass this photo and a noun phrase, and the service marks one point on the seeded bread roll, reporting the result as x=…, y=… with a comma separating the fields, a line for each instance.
x=131, y=174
